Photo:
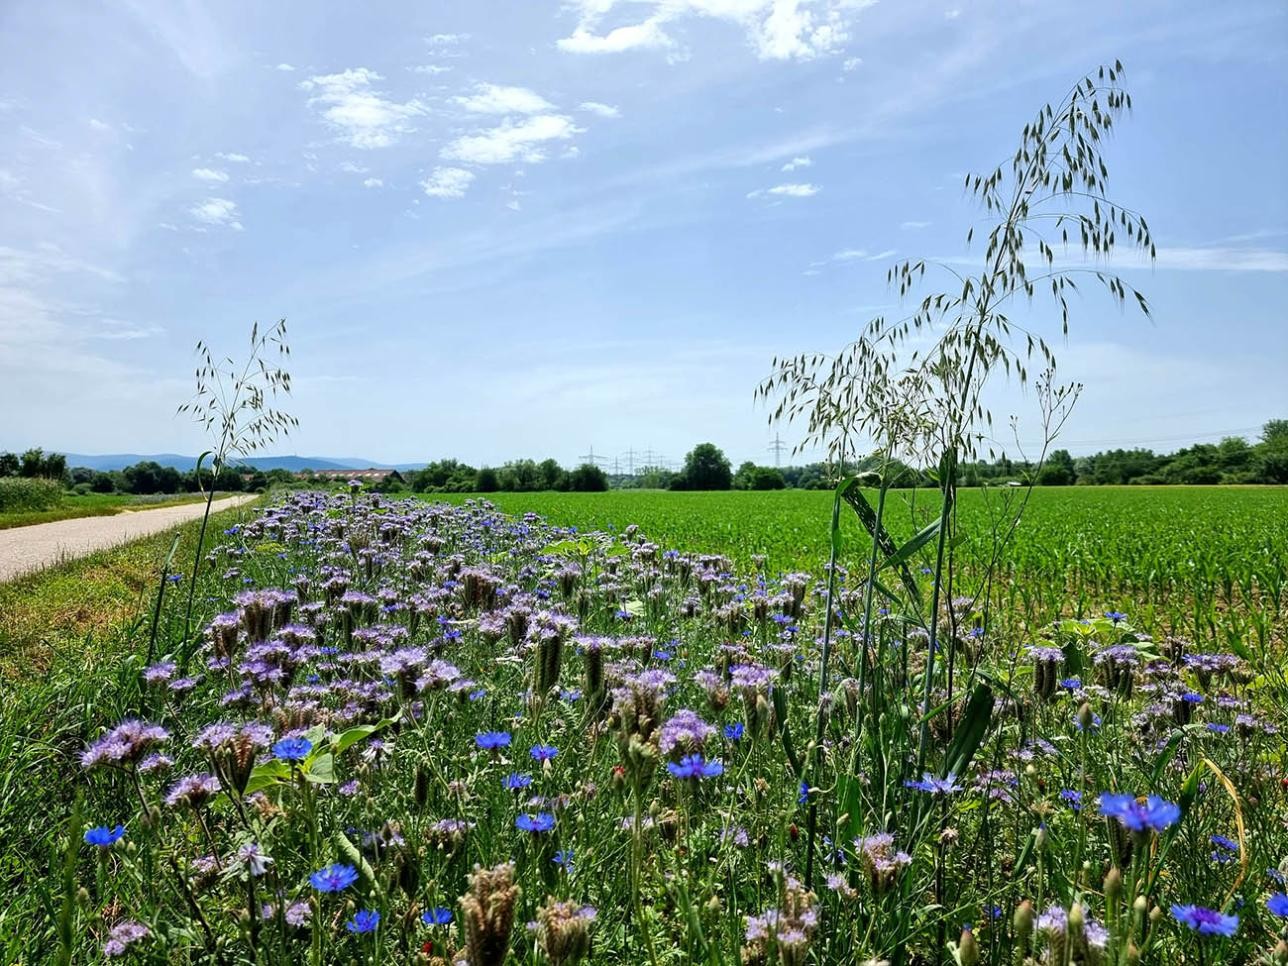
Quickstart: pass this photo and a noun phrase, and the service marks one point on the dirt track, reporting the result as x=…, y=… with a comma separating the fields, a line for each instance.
x=24, y=549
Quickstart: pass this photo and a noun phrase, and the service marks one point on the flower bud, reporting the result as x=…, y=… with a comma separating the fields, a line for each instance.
x=1280, y=953
x=1113, y=885
x=1023, y=921
x=1085, y=717
x=967, y=948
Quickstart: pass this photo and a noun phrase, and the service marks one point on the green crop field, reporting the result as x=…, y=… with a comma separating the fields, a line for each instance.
x=1204, y=561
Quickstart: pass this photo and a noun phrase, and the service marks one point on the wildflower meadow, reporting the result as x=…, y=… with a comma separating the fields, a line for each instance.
x=439, y=733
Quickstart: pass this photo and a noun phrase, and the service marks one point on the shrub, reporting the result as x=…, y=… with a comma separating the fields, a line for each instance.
x=25, y=494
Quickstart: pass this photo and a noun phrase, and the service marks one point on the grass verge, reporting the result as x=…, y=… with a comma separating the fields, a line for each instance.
x=94, y=505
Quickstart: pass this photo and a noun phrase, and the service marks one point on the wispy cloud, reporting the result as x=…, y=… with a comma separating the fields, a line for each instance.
x=219, y=212
x=914, y=225
x=285, y=68
x=447, y=183
x=798, y=162
x=512, y=141
x=775, y=29
x=641, y=36
x=233, y=157
x=372, y=183
x=210, y=175
x=499, y=99
x=600, y=110
x=789, y=190
x=1220, y=259
x=364, y=116
x=429, y=69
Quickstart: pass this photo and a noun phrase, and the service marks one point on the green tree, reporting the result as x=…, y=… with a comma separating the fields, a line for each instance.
x=587, y=478
x=9, y=464
x=1058, y=470
x=487, y=481
x=705, y=468
x=552, y=476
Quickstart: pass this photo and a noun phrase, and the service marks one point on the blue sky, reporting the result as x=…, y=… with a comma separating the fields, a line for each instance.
x=526, y=228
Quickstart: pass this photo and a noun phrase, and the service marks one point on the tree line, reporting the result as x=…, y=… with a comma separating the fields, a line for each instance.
x=1233, y=460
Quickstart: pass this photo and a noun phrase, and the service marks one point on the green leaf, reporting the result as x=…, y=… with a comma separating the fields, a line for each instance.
x=321, y=769
x=349, y=852
x=904, y=553
x=1164, y=757
x=970, y=731
x=267, y=774
x=346, y=739
x=850, y=492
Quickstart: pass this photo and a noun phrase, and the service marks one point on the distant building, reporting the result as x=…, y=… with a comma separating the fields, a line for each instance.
x=366, y=476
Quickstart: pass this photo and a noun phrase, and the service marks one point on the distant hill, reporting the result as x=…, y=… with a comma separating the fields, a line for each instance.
x=118, y=461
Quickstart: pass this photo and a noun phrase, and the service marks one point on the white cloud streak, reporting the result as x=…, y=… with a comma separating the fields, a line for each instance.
x=364, y=116
x=511, y=141
x=499, y=99
x=447, y=183
x=219, y=212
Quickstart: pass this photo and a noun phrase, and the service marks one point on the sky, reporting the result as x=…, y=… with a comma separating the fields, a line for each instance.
x=503, y=229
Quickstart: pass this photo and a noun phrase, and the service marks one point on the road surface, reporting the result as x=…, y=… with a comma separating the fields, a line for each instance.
x=24, y=549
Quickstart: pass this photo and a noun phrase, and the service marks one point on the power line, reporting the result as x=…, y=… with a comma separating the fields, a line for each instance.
x=777, y=447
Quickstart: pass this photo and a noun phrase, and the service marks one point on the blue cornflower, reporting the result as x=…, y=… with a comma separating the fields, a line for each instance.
x=543, y=753
x=1154, y=814
x=695, y=766
x=293, y=749
x=514, y=781
x=1115, y=615
x=438, y=916
x=1278, y=905
x=1217, y=727
x=1206, y=922
x=1072, y=798
x=491, y=740
x=1220, y=841
x=364, y=920
x=1071, y=684
x=540, y=822
x=1190, y=697
x=802, y=793
x=935, y=786
x=103, y=836
x=334, y=878
x=734, y=731
x=563, y=859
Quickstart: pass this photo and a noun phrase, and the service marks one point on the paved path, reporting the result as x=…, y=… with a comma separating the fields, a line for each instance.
x=23, y=549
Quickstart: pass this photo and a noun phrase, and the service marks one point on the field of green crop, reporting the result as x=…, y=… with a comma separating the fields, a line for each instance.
x=1208, y=562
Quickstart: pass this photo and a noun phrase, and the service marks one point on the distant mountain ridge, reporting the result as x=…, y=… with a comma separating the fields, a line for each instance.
x=106, y=462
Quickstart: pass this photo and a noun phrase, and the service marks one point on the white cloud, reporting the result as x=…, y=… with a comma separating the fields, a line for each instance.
x=429, y=69
x=98, y=125
x=511, y=141
x=914, y=225
x=776, y=29
x=789, y=190
x=234, y=158
x=603, y=110
x=447, y=183
x=952, y=14
x=217, y=211
x=364, y=116
x=350, y=168
x=499, y=99
x=285, y=68
x=210, y=175
x=850, y=254
x=373, y=183
x=119, y=330
x=1222, y=259
x=446, y=40
x=851, y=64
x=641, y=36
x=798, y=162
